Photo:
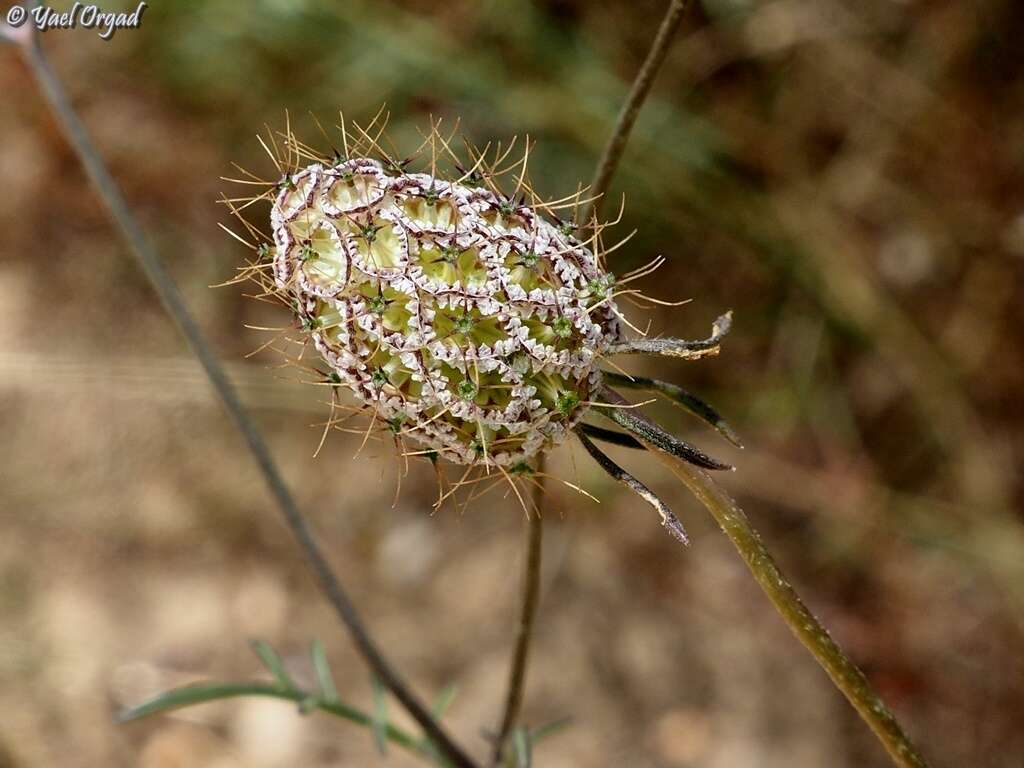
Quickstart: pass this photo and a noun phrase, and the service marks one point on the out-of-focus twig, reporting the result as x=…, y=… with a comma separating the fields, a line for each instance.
x=524, y=632
x=616, y=144
x=174, y=303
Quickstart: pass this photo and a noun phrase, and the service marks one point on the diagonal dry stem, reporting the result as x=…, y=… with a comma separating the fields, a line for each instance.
x=808, y=630
x=174, y=303
x=846, y=676
x=844, y=673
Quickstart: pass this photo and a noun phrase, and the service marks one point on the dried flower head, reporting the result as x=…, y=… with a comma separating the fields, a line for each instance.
x=470, y=320
x=450, y=310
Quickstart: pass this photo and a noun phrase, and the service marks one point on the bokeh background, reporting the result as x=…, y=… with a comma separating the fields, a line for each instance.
x=846, y=175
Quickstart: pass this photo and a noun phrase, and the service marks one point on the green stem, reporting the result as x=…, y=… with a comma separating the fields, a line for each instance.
x=808, y=630
x=204, y=692
x=846, y=676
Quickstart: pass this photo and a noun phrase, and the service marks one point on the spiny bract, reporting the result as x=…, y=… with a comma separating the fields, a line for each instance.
x=462, y=318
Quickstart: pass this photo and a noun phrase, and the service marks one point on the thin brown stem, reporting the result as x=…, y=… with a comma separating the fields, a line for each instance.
x=616, y=145
x=174, y=303
x=527, y=616
x=606, y=167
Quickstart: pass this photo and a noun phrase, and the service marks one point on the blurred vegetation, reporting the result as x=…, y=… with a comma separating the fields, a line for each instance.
x=846, y=176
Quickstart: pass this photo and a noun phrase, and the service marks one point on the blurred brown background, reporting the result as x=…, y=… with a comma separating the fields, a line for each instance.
x=846, y=175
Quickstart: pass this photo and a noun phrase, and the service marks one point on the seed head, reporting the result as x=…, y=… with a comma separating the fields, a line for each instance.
x=460, y=316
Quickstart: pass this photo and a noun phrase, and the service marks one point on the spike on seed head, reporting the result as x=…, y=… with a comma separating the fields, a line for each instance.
x=450, y=254
x=566, y=402
x=466, y=389
x=562, y=327
x=464, y=324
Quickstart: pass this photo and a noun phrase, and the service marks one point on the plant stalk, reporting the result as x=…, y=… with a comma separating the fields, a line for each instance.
x=173, y=302
x=606, y=167
x=527, y=615
x=204, y=692
x=846, y=676
x=616, y=144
